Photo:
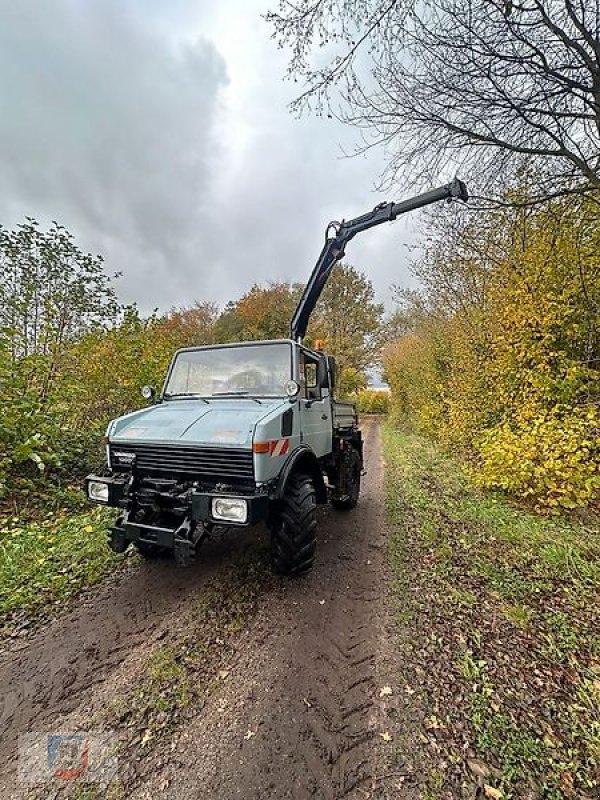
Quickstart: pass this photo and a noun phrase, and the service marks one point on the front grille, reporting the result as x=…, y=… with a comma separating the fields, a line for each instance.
x=193, y=463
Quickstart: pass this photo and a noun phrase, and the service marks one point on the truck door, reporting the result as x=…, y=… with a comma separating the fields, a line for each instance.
x=315, y=407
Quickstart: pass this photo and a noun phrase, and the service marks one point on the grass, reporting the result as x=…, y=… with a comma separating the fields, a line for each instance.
x=48, y=560
x=517, y=595
x=166, y=686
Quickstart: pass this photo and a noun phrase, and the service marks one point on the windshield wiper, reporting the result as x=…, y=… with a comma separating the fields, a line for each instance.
x=187, y=394
x=236, y=393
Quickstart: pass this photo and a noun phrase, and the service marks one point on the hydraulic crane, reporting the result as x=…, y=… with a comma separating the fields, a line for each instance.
x=338, y=234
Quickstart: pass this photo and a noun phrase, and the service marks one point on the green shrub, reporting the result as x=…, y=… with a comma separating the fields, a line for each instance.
x=498, y=355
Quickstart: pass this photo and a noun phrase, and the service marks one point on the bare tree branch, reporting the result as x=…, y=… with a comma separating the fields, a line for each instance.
x=484, y=86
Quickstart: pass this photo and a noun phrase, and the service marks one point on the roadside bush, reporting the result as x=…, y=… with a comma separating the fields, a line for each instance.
x=42, y=449
x=501, y=358
x=410, y=370
x=552, y=458
x=371, y=401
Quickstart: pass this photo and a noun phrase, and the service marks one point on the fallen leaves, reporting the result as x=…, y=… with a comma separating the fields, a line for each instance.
x=434, y=723
x=567, y=784
x=146, y=737
x=478, y=767
x=385, y=691
x=386, y=736
x=491, y=792
x=249, y=734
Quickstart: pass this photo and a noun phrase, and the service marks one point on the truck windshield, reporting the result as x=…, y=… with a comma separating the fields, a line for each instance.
x=261, y=370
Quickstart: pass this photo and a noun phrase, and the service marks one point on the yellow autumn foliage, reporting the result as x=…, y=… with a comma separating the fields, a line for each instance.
x=505, y=364
x=552, y=458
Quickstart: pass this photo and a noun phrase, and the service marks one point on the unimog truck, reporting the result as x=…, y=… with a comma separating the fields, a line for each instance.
x=243, y=434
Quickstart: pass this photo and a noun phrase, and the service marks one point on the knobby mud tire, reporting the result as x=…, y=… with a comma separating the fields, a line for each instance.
x=294, y=534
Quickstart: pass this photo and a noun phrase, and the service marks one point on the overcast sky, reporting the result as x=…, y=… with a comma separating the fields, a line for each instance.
x=159, y=134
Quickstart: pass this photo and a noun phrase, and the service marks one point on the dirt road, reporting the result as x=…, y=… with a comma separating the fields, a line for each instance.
x=294, y=713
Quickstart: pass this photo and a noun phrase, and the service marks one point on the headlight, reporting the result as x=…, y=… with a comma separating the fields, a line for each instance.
x=98, y=492
x=230, y=509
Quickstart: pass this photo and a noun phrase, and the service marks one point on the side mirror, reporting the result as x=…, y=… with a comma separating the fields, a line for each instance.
x=322, y=374
x=333, y=370
x=148, y=392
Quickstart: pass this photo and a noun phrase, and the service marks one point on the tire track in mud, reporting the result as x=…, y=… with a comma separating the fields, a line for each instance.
x=297, y=718
x=50, y=674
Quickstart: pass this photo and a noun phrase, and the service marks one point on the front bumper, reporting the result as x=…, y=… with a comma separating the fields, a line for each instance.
x=182, y=540
x=199, y=504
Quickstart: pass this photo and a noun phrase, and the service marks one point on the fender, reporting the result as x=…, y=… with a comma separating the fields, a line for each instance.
x=304, y=459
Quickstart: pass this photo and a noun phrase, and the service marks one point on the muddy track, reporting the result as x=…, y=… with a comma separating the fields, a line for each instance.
x=48, y=676
x=295, y=717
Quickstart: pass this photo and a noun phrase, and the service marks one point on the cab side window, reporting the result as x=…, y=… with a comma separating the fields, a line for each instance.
x=310, y=375
x=308, y=368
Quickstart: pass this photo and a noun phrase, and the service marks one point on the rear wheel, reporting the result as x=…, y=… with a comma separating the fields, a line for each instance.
x=351, y=468
x=294, y=532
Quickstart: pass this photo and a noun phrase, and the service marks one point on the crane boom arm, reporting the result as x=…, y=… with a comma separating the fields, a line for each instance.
x=334, y=247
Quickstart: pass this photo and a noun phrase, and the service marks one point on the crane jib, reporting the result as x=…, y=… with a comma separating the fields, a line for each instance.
x=333, y=249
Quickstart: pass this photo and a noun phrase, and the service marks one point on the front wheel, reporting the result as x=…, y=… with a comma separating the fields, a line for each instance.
x=150, y=552
x=351, y=468
x=294, y=531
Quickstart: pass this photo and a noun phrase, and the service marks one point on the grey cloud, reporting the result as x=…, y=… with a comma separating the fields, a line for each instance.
x=106, y=126
x=159, y=134
x=289, y=178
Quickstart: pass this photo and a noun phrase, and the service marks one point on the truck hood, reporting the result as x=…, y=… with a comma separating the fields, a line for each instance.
x=223, y=422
